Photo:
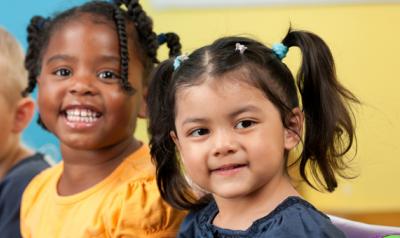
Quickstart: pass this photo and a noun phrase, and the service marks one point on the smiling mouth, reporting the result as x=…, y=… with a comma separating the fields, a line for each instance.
x=80, y=118
x=228, y=168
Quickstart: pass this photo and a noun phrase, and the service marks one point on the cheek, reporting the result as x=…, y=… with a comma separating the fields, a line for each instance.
x=46, y=97
x=117, y=99
x=49, y=92
x=194, y=161
x=268, y=145
x=122, y=111
x=5, y=128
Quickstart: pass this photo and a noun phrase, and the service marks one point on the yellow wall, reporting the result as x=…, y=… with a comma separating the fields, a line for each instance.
x=365, y=42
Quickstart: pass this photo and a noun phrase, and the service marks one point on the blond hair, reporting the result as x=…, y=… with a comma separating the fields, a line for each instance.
x=13, y=78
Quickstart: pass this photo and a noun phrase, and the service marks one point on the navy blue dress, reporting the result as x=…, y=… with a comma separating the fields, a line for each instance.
x=11, y=189
x=293, y=218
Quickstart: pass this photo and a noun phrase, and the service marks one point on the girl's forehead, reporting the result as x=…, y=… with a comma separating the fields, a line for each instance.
x=95, y=26
x=219, y=85
x=84, y=19
x=82, y=30
x=220, y=82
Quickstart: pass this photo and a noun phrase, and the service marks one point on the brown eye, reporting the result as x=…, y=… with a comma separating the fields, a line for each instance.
x=63, y=72
x=108, y=75
x=199, y=132
x=245, y=124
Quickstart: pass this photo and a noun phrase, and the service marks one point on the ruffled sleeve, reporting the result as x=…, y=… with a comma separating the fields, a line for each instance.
x=138, y=211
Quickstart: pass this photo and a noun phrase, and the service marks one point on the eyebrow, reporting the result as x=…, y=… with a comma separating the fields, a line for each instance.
x=60, y=57
x=110, y=58
x=104, y=58
x=194, y=120
x=247, y=108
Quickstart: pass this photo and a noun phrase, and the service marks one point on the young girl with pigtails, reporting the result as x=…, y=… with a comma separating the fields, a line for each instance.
x=232, y=111
x=91, y=64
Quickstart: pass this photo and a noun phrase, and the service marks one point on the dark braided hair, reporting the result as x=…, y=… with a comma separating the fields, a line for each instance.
x=172, y=41
x=34, y=29
x=130, y=21
x=123, y=49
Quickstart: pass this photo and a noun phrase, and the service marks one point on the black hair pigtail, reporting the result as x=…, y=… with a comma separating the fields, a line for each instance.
x=170, y=179
x=329, y=128
x=173, y=43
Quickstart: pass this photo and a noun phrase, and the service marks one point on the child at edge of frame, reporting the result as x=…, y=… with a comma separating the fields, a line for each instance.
x=18, y=163
x=91, y=64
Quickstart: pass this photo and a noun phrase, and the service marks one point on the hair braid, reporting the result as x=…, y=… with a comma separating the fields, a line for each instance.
x=32, y=61
x=123, y=48
x=173, y=43
x=144, y=25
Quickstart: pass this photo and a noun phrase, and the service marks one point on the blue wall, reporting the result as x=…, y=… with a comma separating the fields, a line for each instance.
x=15, y=16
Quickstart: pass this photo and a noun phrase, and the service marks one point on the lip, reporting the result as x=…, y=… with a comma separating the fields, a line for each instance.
x=228, y=169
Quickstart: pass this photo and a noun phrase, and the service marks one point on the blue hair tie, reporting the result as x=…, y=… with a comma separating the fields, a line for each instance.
x=179, y=60
x=161, y=38
x=280, y=50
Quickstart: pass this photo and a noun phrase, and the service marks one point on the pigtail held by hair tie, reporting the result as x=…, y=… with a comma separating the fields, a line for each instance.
x=280, y=50
x=179, y=60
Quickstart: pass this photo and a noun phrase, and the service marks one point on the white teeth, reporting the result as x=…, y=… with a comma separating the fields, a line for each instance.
x=81, y=115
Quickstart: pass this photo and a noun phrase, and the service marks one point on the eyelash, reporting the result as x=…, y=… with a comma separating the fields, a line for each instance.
x=192, y=133
x=108, y=74
x=111, y=75
x=203, y=131
x=59, y=72
x=244, y=121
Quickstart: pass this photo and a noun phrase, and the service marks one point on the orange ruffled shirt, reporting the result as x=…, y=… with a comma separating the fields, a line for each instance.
x=125, y=204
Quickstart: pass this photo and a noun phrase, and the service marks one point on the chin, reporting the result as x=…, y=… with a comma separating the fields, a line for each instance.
x=231, y=194
x=80, y=144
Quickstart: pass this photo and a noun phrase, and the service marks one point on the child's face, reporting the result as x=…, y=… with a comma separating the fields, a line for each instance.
x=230, y=137
x=80, y=99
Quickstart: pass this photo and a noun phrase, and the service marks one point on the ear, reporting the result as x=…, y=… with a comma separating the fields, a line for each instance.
x=23, y=114
x=294, y=129
x=175, y=139
x=142, y=113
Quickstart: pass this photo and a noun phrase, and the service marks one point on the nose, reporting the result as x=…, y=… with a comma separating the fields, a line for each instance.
x=83, y=85
x=225, y=143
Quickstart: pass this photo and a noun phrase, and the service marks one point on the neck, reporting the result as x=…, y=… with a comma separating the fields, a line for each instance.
x=85, y=168
x=12, y=156
x=240, y=213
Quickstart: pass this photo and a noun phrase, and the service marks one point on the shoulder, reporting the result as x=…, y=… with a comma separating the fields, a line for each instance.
x=39, y=185
x=26, y=169
x=11, y=189
x=137, y=205
x=198, y=222
x=298, y=218
x=138, y=166
x=45, y=175
x=20, y=175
